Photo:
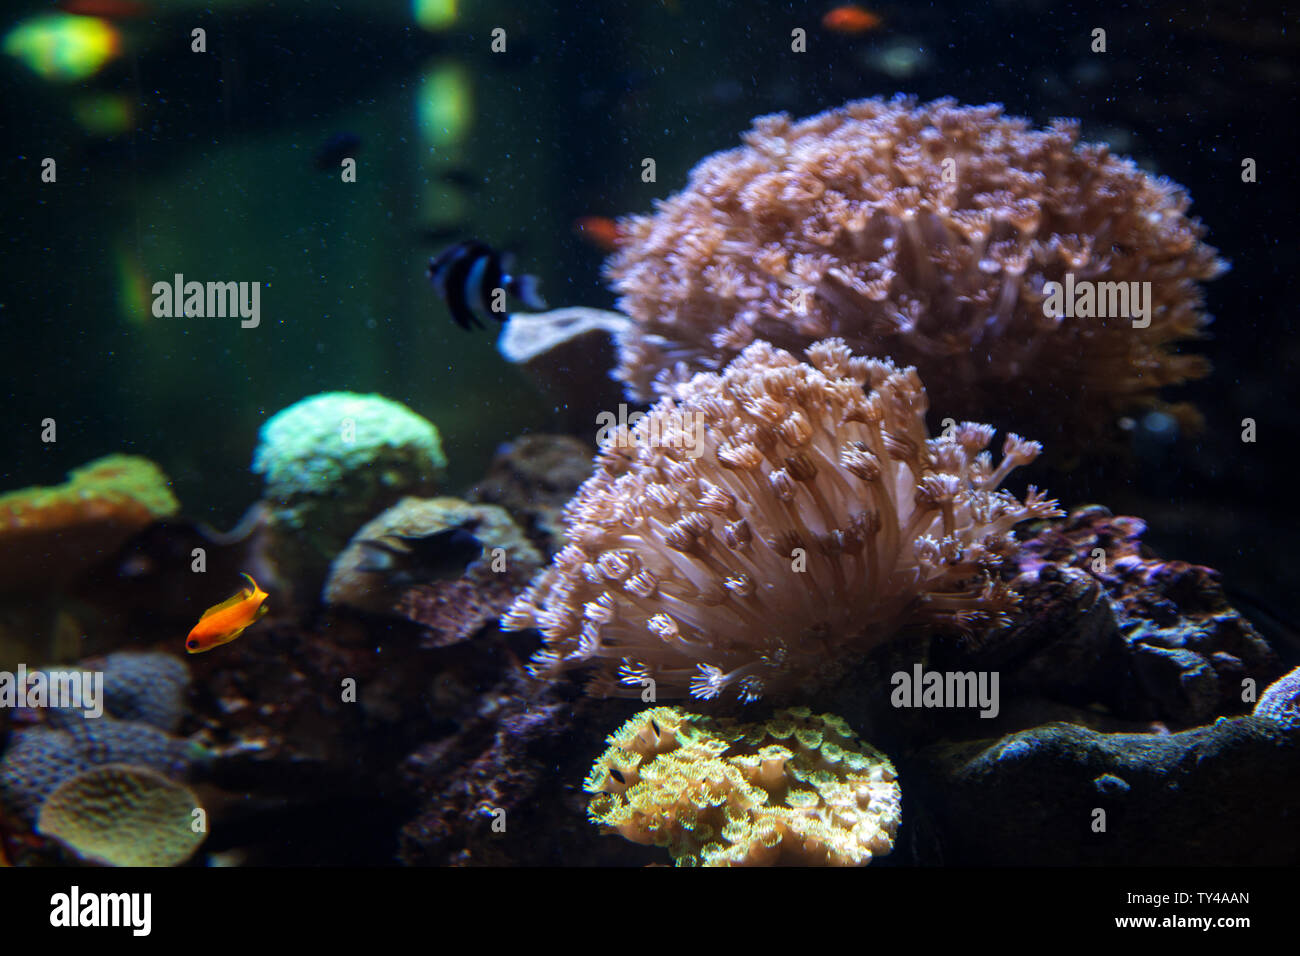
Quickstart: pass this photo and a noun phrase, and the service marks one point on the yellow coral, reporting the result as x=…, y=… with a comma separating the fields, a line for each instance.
x=798, y=790
x=52, y=534
x=123, y=815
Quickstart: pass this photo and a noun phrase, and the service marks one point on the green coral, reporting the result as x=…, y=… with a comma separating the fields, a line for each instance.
x=334, y=460
x=123, y=815
x=800, y=789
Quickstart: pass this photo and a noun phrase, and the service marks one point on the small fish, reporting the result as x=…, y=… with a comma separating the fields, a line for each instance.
x=601, y=231
x=337, y=148
x=462, y=178
x=405, y=560
x=851, y=19
x=222, y=623
x=467, y=275
x=105, y=9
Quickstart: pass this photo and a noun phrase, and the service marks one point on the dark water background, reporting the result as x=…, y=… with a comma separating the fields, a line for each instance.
x=215, y=179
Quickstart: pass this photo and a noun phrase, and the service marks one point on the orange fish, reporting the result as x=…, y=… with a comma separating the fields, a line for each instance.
x=851, y=19
x=601, y=231
x=222, y=623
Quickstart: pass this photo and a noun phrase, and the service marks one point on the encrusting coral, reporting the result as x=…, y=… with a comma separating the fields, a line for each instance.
x=37, y=760
x=761, y=528
x=123, y=815
x=799, y=789
x=144, y=701
x=926, y=233
x=49, y=535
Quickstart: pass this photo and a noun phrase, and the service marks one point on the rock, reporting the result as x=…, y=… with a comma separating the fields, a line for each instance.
x=533, y=478
x=331, y=462
x=452, y=602
x=1104, y=621
x=1218, y=795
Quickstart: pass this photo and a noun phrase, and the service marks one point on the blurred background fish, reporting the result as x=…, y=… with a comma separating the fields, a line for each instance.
x=467, y=277
x=851, y=19
x=601, y=231
x=340, y=146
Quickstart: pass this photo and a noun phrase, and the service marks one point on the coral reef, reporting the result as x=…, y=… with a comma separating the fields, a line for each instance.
x=1218, y=794
x=1103, y=620
x=51, y=535
x=926, y=234
x=1280, y=702
x=36, y=760
x=761, y=528
x=39, y=759
x=509, y=753
x=144, y=700
x=123, y=815
x=534, y=477
x=799, y=789
x=331, y=462
x=147, y=687
x=456, y=604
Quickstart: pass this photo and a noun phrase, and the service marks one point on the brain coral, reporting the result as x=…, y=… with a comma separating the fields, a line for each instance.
x=762, y=528
x=798, y=789
x=925, y=234
x=123, y=816
x=332, y=461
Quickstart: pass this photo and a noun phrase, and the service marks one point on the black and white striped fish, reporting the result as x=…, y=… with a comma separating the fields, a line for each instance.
x=467, y=277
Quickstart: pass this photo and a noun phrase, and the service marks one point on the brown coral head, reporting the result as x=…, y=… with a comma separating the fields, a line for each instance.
x=933, y=234
x=817, y=520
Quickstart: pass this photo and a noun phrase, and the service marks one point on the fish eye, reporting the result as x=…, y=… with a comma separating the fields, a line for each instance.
x=191, y=643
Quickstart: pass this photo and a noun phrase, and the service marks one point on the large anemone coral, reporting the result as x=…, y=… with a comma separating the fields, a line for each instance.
x=925, y=234
x=761, y=527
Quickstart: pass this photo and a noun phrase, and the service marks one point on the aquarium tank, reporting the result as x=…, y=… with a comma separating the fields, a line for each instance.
x=517, y=433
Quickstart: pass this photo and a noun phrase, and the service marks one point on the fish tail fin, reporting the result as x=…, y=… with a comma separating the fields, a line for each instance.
x=528, y=289
x=251, y=583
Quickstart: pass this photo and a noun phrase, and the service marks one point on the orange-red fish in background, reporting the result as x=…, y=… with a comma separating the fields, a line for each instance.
x=851, y=19
x=107, y=9
x=222, y=623
x=601, y=231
